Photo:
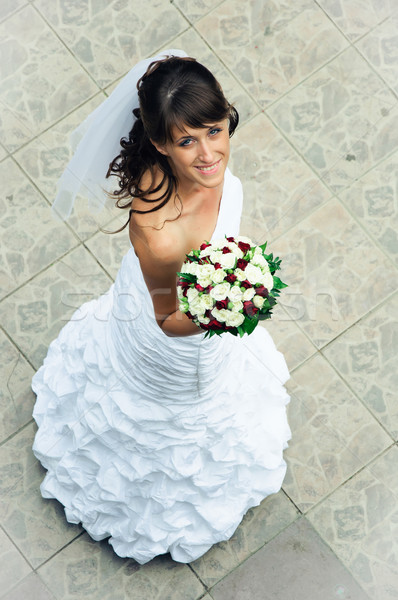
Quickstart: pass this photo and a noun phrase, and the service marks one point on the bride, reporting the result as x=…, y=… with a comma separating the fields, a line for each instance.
x=151, y=435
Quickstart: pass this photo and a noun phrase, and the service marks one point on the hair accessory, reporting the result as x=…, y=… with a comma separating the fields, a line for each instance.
x=96, y=142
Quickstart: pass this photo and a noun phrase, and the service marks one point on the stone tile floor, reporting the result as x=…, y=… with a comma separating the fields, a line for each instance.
x=317, y=151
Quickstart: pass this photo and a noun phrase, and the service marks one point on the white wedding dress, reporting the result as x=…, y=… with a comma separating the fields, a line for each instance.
x=161, y=444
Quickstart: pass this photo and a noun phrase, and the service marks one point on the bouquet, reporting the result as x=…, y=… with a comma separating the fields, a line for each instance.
x=229, y=285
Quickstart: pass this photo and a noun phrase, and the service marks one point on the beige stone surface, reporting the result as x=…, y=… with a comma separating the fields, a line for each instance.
x=41, y=83
x=334, y=271
x=333, y=435
x=92, y=569
x=359, y=522
x=366, y=357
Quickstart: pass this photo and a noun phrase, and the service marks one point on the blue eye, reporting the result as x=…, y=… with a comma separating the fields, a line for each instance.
x=215, y=131
x=185, y=142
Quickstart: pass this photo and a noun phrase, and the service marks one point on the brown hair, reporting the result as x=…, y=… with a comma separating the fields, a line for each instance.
x=174, y=92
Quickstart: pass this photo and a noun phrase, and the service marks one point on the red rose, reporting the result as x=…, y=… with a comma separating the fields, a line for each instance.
x=204, y=246
x=244, y=247
x=230, y=239
x=226, y=250
x=199, y=288
x=249, y=308
x=214, y=324
x=246, y=284
x=189, y=314
x=241, y=264
x=217, y=266
x=221, y=304
x=231, y=278
x=261, y=291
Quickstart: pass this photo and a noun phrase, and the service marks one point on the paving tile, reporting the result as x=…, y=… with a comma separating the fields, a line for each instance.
x=16, y=396
x=13, y=566
x=366, y=357
x=235, y=93
x=36, y=526
x=271, y=47
x=31, y=588
x=91, y=569
x=279, y=188
x=7, y=7
x=342, y=119
x=374, y=202
x=33, y=318
x=109, y=37
x=356, y=17
x=380, y=47
x=41, y=81
x=289, y=339
x=359, y=521
x=30, y=238
x=45, y=158
x=109, y=249
x=296, y=565
x=3, y=153
x=259, y=525
x=334, y=271
x=195, y=9
x=333, y=435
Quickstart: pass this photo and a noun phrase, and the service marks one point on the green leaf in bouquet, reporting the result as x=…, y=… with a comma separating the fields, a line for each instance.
x=250, y=325
x=265, y=316
x=187, y=277
x=278, y=283
x=241, y=331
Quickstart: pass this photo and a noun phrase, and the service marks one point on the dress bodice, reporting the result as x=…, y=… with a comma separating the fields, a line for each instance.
x=134, y=332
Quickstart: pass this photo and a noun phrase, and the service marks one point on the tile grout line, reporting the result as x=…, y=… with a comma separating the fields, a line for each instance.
x=348, y=385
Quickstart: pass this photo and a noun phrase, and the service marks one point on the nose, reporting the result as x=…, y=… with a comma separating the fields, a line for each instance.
x=205, y=152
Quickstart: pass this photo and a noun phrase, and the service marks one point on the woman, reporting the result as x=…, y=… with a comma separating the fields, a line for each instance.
x=151, y=435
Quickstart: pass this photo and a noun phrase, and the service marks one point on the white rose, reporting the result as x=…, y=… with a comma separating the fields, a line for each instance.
x=268, y=281
x=207, y=301
x=235, y=293
x=234, y=249
x=234, y=319
x=258, y=301
x=258, y=251
x=190, y=267
x=259, y=261
x=196, y=307
x=192, y=293
x=204, y=274
x=218, y=244
x=244, y=239
x=180, y=292
x=218, y=314
x=240, y=275
x=253, y=274
x=204, y=320
x=215, y=256
x=227, y=261
x=205, y=270
x=206, y=252
x=220, y=291
x=237, y=306
x=248, y=294
x=218, y=275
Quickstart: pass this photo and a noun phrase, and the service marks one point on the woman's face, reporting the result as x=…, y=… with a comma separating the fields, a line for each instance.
x=199, y=156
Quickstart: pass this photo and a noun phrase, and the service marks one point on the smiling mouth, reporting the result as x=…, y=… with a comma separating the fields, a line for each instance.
x=209, y=170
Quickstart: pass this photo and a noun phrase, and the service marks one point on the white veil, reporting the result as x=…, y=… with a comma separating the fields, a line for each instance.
x=96, y=142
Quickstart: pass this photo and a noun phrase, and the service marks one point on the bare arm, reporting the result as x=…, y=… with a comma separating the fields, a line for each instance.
x=160, y=259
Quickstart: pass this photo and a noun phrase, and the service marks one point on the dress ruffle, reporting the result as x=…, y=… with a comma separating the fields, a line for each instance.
x=161, y=444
